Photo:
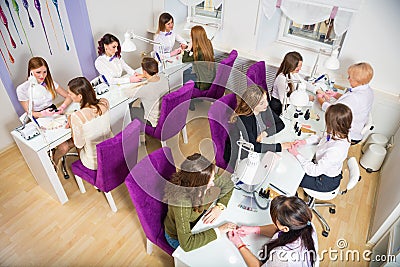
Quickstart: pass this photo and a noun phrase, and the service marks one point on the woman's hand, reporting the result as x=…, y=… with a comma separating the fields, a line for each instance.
x=246, y=230
x=184, y=46
x=226, y=227
x=234, y=237
x=212, y=214
x=61, y=109
x=293, y=150
x=135, y=79
x=286, y=145
x=261, y=136
x=176, y=52
x=47, y=112
x=298, y=143
x=311, y=98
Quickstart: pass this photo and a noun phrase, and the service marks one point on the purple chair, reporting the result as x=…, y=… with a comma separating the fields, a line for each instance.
x=217, y=88
x=115, y=157
x=173, y=113
x=146, y=184
x=218, y=117
x=256, y=74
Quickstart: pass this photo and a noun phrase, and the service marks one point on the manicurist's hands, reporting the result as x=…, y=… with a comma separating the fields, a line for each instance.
x=246, y=230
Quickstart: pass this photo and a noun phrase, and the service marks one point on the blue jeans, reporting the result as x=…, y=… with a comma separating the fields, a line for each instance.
x=172, y=242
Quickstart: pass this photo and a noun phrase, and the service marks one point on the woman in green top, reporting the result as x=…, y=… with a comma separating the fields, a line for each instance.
x=189, y=195
x=201, y=53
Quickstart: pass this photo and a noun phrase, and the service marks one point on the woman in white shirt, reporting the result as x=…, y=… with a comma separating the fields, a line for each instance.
x=290, y=66
x=325, y=172
x=167, y=37
x=293, y=240
x=91, y=124
x=111, y=65
x=42, y=98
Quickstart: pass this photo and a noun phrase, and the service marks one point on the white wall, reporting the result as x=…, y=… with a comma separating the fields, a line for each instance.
x=9, y=119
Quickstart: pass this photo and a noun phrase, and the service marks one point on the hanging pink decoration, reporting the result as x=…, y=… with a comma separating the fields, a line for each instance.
x=9, y=54
x=55, y=2
x=37, y=6
x=5, y=62
x=52, y=24
x=16, y=8
x=5, y=22
x=12, y=18
x=26, y=5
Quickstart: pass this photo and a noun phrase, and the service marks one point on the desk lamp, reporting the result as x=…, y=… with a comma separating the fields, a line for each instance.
x=333, y=63
x=129, y=46
x=250, y=173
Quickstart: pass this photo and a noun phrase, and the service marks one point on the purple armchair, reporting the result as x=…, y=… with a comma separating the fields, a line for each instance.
x=218, y=117
x=115, y=157
x=217, y=88
x=173, y=113
x=146, y=184
x=256, y=74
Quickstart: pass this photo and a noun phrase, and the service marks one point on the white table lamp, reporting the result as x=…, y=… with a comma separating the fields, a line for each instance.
x=333, y=63
x=299, y=97
x=128, y=45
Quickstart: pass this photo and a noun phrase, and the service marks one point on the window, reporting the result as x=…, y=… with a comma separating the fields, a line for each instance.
x=208, y=11
x=315, y=36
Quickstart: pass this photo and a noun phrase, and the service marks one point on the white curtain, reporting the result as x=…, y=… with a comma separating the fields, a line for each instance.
x=216, y=3
x=314, y=11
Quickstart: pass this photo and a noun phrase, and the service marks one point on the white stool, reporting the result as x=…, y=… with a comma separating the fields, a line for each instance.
x=373, y=158
x=375, y=138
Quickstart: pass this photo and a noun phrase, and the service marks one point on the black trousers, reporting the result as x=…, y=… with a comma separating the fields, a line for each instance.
x=275, y=105
x=322, y=183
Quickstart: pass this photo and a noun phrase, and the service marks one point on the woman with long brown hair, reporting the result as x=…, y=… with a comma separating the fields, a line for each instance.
x=325, y=172
x=201, y=53
x=189, y=194
x=91, y=124
x=42, y=98
x=294, y=241
x=255, y=121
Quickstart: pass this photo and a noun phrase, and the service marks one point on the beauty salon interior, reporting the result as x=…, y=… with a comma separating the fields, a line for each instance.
x=53, y=215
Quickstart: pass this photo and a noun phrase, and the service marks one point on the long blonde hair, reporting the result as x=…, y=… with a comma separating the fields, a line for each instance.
x=37, y=62
x=249, y=100
x=201, y=41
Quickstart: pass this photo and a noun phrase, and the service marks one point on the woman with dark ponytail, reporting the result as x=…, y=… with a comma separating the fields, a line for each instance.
x=294, y=241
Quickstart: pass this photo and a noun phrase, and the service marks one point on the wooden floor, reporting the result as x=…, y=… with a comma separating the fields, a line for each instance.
x=36, y=230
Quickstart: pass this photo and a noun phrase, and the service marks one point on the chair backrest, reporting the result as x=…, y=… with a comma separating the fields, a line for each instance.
x=217, y=88
x=256, y=74
x=116, y=156
x=173, y=113
x=218, y=117
x=354, y=173
x=146, y=184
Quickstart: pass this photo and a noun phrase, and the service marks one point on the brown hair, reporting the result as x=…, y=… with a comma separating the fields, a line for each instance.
x=162, y=20
x=81, y=86
x=150, y=65
x=201, y=43
x=190, y=181
x=338, y=120
x=106, y=40
x=296, y=215
x=362, y=72
x=37, y=62
x=249, y=100
x=289, y=64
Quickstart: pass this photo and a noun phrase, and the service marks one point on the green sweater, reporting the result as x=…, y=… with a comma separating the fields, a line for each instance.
x=180, y=219
x=205, y=74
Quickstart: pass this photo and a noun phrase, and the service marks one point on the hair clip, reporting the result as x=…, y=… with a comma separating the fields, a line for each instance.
x=308, y=223
x=328, y=137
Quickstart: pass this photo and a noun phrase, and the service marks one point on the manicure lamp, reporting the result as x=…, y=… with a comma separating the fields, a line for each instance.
x=333, y=63
x=129, y=46
x=251, y=172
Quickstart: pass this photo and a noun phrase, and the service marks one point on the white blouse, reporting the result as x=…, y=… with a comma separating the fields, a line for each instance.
x=168, y=40
x=41, y=97
x=112, y=68
x=280, y=87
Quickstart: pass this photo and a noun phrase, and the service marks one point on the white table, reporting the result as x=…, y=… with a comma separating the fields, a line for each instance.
x=286, y=176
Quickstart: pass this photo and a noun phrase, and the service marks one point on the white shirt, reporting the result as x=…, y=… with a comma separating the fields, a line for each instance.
x=288, y=255
x=112, y=70
x=359, y=100
x=280, y=87
x=168, y=40
x=41, y=97
x=329, y=156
